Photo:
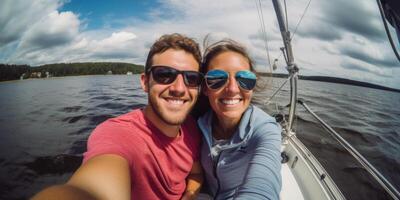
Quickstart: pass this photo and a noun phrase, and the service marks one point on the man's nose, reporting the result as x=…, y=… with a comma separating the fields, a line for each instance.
x=178, y=86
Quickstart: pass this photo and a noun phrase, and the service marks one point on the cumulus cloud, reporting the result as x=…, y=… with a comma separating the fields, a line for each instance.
x=381, y=60
x=118, y=45
x=54, y=37
x=331, y=20
x=17, y=15
x=359, y=17
x=321, y=31
x=358, y=65
x=53, y=30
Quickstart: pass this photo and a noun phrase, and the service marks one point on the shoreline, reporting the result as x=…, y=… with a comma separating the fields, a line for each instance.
x=16, y=80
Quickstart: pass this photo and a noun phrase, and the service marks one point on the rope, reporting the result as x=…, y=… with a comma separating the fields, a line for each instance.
x=263, y=30
x=276, y=91
x=298, y=23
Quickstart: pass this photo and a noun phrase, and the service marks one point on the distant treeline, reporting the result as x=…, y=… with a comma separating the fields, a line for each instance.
x=13, y=72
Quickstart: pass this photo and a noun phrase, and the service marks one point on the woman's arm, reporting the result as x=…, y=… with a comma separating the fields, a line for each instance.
x=263, y=177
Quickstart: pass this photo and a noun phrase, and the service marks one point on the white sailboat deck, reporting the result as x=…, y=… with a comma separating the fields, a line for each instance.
x=290, y=188
x=303, y=177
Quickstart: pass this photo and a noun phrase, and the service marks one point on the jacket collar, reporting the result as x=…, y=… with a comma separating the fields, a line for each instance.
x=241, y=134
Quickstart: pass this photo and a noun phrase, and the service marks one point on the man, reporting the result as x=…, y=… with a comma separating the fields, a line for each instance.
x=149, y=153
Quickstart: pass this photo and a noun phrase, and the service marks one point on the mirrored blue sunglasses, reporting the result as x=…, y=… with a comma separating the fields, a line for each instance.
x=216, y=79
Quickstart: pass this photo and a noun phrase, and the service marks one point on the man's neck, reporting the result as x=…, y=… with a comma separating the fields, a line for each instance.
x=167, y=129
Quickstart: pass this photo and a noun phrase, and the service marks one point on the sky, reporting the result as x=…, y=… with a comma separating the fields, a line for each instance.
x=338, y=38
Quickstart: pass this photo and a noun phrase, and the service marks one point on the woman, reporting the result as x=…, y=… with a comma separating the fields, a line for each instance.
x=241, y=149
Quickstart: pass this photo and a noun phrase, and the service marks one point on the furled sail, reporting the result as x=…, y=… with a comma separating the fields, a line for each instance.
x=390, y=10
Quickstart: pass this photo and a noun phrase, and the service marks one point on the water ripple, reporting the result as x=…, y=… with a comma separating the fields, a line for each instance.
x=70, y=109
x=58, y=164
x=74, y=119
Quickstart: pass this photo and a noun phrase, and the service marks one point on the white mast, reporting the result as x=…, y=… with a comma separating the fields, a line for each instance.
x=291, y=66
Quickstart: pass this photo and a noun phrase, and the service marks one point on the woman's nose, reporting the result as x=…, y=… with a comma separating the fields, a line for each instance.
x=232, y=86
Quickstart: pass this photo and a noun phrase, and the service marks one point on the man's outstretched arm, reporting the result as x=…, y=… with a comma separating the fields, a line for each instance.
x=102, y=177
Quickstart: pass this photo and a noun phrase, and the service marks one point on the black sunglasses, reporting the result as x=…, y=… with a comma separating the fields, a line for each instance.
x=166, y=75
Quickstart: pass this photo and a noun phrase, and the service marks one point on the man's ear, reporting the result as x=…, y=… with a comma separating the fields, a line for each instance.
x=144, y=82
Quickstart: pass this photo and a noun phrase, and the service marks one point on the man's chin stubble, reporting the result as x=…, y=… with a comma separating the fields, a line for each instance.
x=165, y=120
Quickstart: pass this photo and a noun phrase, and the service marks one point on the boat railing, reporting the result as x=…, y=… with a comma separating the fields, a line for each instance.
x=392, y=191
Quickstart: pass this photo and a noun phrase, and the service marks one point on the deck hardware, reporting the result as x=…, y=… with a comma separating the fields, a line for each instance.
x=294, y=162
x=285, y=157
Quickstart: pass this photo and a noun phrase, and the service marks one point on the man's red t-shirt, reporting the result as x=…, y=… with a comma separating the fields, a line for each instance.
x=158, y=164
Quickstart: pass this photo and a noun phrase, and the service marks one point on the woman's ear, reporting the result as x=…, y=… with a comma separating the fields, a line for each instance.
x=144, y=82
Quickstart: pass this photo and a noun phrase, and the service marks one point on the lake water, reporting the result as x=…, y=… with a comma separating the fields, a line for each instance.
x=44, y=125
